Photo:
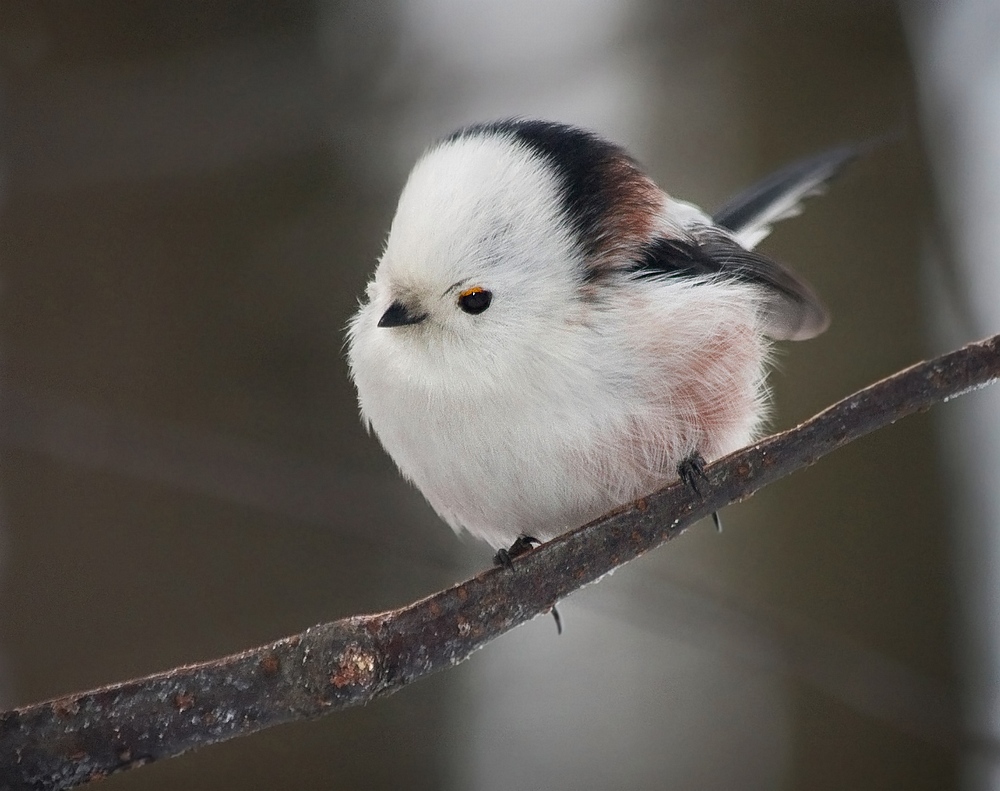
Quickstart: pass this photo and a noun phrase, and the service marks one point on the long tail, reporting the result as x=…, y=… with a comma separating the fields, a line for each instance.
x=750, y=214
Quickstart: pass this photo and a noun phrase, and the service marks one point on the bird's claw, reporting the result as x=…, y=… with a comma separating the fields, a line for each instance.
x=690, y=471
x=505, y=557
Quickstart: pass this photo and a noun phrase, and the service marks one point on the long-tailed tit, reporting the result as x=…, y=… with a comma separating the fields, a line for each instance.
x=548, y=334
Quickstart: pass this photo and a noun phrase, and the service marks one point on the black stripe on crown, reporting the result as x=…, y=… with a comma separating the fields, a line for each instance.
x=581, y=162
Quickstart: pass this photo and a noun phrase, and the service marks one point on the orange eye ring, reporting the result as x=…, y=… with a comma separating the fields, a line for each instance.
x=474, y=300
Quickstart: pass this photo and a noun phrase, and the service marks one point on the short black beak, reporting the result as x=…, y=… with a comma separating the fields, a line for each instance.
x=398, y=315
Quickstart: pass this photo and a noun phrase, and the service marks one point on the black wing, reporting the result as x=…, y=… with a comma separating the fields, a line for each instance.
x=792, y=310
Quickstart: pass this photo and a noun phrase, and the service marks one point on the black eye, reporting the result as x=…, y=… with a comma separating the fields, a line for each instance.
x=474, y=300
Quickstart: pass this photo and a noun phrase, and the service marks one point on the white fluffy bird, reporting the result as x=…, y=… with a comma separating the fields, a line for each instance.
x=549, y=335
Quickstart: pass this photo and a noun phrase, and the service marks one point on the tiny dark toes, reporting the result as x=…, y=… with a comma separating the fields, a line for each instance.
x=503, y=558
x=522, y=545
x=691, y=470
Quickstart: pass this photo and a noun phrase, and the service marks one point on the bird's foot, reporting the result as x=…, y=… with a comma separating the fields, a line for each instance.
x=692, y=470
x=505, y=557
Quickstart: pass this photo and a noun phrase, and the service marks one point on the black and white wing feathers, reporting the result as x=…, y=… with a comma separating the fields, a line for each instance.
x=724, y=247
x=792, y=311
x=750, y=214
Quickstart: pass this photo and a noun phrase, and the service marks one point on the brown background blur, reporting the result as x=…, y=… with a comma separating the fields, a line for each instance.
x=191, y=199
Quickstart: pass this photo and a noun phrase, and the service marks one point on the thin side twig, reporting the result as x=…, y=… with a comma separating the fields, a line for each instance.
x=85, y=736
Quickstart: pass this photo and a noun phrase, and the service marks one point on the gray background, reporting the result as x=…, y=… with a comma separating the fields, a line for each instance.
x=192, y=199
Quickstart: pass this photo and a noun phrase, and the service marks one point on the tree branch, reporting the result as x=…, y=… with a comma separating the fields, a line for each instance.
x=85, y=736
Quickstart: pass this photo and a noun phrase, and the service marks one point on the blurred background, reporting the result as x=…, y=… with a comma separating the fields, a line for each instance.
x=191, y=199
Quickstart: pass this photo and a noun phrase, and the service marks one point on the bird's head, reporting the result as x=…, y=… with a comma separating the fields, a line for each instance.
x=500, y=234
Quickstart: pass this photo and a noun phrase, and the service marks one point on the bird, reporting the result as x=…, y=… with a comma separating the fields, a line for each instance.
x=549, y=335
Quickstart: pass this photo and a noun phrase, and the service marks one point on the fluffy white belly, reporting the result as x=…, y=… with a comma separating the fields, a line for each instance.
x=543, y=453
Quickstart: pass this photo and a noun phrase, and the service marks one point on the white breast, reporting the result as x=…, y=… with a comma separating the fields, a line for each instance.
x=600, y=414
